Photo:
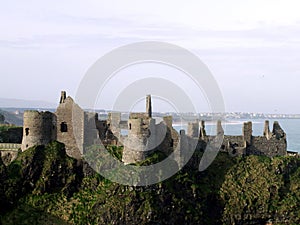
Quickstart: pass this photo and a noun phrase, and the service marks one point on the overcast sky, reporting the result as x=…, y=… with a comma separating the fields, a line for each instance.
x=251, y=47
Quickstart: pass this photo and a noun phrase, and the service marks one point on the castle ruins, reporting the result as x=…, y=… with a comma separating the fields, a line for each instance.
x=78, y=129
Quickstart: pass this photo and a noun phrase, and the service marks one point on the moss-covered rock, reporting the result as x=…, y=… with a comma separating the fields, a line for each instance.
x=41, y=170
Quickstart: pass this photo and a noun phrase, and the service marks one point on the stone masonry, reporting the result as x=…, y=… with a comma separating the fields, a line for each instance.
x=78, y=130
x=39, y=128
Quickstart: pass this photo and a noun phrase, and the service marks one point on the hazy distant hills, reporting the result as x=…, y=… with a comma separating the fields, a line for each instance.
x=21, y=103
x=12, y=118
x=12, y=109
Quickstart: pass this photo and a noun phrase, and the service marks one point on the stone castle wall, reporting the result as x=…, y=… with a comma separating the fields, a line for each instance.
x=90, y=131
x=70, y=126
x=271, y=144
x=78, y=129
x=263, y=146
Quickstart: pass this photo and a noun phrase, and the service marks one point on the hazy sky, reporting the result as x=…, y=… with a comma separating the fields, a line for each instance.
x=251, y=47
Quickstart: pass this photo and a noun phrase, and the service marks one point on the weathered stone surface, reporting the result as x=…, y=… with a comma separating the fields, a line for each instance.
x=70, y=126
x=220, y=130
x=278, y=131
x=135, y=148
x=78, y=129
x=271, y=144
x=39, y=128
x=247, y=132
x=267, y=132
x=8, y=156
x=202, y=130
x=193, y=129
x=148, y=105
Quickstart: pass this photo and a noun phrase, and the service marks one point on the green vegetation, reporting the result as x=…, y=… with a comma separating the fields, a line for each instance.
x=2, y=118
x=45, y=186
x=115, y=151
x=11, y=134
x=264, y=186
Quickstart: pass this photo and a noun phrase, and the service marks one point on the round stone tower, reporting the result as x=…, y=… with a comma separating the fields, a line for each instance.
x=39, y=128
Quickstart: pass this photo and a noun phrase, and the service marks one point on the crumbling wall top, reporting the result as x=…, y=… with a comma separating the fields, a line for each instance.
x=63, y=97
x=278, y=131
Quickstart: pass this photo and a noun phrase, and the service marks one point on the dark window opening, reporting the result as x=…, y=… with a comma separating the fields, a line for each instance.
x=27, y=131
x=26, y=146
x=63, y=127
x=130, y=126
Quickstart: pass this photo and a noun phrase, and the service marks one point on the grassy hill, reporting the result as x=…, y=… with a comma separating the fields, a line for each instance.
x=45, y=186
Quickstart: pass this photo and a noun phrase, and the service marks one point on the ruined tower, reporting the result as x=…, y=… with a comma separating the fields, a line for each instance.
x=141, y=135
x=135, y=144
x=39, y=128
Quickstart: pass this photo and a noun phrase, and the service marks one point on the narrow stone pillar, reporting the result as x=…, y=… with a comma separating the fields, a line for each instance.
x=149, y=106
x=202, y=129
x=267, y=133
x=247, y=132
